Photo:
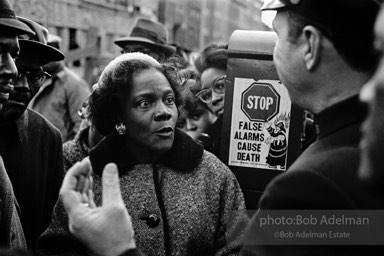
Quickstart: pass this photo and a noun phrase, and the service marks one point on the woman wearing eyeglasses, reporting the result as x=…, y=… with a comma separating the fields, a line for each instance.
x=212, y=65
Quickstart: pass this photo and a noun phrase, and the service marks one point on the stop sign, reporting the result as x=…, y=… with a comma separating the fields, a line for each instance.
x=260, y=102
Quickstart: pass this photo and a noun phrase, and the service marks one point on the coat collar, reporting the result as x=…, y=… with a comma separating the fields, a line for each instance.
x=184, y=155
x=340, y=115
x=17, y=130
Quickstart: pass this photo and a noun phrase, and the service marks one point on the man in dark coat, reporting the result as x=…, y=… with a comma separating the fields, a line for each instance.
x=29, y=145
x=11, y=233
x=323, y=55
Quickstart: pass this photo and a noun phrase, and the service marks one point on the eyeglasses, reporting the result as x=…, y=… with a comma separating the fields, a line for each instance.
x=34, y=78
x=218, y=86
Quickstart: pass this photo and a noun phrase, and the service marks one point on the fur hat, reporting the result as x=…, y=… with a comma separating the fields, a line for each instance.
x=127, y=57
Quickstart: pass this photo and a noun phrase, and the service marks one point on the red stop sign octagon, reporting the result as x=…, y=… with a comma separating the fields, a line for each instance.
x=260, y=102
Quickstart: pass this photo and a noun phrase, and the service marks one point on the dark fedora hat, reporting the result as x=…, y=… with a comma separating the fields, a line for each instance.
x=35, y=46
x=148, y=32
x=8, y=20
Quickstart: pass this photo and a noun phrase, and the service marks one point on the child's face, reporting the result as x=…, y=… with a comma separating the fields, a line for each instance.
x=199, y=119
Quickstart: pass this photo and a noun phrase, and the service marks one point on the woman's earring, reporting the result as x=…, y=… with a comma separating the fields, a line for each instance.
x=120, y=128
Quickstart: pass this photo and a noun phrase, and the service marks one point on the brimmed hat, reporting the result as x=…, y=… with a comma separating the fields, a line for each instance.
x=36, y=46
x=344, y=18
x=8, y=20
x=149, y=32
x=54, y=41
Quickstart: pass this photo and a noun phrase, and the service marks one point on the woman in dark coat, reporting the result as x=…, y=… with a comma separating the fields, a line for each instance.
x=182, y=199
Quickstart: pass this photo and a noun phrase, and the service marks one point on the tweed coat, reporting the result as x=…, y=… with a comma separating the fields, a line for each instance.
x=323, y=177
x=189, y=203
x=76, y=150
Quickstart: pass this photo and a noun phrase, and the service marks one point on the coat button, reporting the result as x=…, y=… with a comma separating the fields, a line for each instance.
x=152, y=220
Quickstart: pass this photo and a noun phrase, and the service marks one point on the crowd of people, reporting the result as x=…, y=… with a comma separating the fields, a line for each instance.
x=137, y=171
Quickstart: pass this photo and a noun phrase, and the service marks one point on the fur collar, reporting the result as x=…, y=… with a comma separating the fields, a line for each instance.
x=184, y=155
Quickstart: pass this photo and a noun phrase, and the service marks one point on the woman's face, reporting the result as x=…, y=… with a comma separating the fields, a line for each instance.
x=198, y=119
x=150, y=114
x=207, y=78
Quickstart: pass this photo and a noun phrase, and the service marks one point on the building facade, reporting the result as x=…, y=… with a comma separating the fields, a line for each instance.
x=183, y=21
x=72, y=19
x=88, y=26
x=196, y=23
x=222, y=17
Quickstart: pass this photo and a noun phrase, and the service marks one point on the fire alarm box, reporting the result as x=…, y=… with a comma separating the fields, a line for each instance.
x=262, y=129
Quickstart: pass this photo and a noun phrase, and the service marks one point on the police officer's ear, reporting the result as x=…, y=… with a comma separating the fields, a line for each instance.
x=313, y=45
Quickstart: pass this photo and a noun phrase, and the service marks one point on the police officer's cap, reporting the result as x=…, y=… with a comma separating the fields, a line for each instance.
x=351, y=18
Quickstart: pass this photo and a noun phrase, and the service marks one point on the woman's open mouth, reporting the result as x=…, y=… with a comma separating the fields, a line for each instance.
x=164, y=132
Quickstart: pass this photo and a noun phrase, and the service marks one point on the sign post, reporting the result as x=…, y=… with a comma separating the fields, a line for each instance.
x=261, y=127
